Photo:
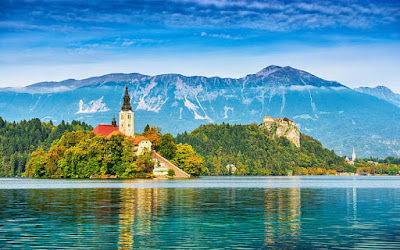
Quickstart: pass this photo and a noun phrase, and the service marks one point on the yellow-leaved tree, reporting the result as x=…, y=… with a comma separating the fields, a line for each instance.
x=187, y=159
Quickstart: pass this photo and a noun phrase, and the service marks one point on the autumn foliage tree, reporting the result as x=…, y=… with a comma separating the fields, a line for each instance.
x=154, y=135
x=188, y=160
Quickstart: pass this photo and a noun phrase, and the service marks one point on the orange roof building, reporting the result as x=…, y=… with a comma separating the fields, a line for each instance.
x=105, y=130
x=139, y=138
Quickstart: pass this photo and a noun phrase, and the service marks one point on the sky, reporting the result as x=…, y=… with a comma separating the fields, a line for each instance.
x=356, y=43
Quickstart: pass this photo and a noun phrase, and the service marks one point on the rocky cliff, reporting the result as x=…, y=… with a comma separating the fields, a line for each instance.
x=283, y=127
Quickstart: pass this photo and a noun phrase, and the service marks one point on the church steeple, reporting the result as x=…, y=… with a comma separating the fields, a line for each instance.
x=127, y=116
x=127, y=100
x=114, y=122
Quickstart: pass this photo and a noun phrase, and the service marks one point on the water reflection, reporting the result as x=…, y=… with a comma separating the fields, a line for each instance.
x=282, y=216
x=200, y=217
x=138, y=207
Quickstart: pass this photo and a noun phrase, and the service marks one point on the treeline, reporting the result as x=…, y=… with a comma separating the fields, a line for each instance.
x=19, y=139
x=387, y=166
x=82, y=155
x=387, y=160
x=254, y=151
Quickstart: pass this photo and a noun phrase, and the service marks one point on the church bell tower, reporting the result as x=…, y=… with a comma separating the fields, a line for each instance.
x=126, y=116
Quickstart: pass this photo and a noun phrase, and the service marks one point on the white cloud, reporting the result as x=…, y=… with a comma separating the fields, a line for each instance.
x=224, y=36
x=92, y=107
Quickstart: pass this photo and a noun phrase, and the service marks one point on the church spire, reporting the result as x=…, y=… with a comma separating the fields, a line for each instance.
x=127, y=100
x=114, y=121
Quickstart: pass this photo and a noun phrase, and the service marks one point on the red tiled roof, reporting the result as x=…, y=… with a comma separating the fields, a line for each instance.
x=105, y=129
x=138, y=139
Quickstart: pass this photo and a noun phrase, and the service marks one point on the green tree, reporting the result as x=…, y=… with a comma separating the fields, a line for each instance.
x=187, y=159
x=171, y=172
x=167, y=146
x=147, y=128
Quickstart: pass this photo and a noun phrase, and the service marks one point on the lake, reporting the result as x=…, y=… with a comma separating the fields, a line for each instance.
x=208, y=212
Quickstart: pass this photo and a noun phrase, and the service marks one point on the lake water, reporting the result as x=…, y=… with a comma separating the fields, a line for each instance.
x=209, y=212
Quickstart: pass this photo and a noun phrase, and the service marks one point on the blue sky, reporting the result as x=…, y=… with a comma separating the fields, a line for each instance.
x=353, y=42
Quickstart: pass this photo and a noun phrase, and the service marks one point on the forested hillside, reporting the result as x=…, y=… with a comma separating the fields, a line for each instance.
x=254, y=151
x=19, y=140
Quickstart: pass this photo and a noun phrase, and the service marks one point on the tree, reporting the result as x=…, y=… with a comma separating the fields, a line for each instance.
x=35, y=166
x=145, y=163
x=168, y=146
x=187, y=159
x=171, y=172
x=153, y=134
x=147, y=128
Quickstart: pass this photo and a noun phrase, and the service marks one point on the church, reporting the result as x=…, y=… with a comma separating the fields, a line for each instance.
x=126, y=126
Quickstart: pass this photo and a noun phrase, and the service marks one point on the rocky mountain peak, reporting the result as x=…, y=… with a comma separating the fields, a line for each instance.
x=268, y=70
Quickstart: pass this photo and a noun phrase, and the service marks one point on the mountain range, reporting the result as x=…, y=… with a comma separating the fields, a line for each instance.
x=340, y=117
x=381, y=92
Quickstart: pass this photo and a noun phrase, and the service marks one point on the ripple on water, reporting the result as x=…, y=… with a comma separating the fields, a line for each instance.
x=249, y=212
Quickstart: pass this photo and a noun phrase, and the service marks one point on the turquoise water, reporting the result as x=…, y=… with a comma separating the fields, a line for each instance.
x=210, y=212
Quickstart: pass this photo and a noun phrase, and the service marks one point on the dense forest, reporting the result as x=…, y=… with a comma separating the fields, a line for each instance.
x=19, y=139
x=254, y=151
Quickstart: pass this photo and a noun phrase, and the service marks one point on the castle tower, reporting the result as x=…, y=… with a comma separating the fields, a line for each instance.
x=126, y=116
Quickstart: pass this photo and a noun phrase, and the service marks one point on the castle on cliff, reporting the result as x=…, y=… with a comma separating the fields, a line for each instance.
x=283, y=127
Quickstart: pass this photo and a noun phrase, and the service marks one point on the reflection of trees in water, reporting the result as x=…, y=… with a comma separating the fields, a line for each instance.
x=282, y=216
x=74, y=217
